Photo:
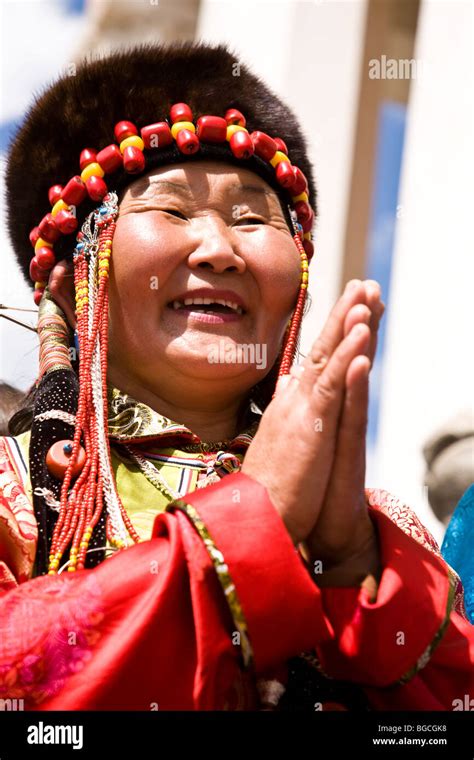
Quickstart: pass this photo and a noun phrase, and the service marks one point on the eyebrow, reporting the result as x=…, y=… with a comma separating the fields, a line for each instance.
x=167, y=184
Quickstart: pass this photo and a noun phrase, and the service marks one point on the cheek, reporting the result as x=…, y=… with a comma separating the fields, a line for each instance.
x=139, y=266
x=277, y=270
x=142, y=250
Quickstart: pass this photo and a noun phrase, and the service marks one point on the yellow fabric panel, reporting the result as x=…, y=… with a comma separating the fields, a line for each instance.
x=141, y=499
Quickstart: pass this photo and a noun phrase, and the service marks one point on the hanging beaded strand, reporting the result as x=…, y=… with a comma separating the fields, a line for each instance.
x=293, y=331
x=80, y=511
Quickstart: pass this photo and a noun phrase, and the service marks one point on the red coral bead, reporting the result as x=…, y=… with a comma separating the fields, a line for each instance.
x=36, y=273
x=187, y=141
x=281, y=145
x=211, y=129
x=181, y=112
x=34, y=235
x=133, y=160
x=265, y=146
x=309, y=248
x=66, y=221
x=96, y=188
x=54, y=194
x=301, y=183
x=157, y=135
x=284, y=174
x=233, y=116
x=124, y=129
x=74, y=192
x=308, y=224
x=45, y=258
x=110, y=158
x=241, y=144
x=48, y=229
x=37, y=296
x=59, y=456
x=303, y=211
x=88, y=156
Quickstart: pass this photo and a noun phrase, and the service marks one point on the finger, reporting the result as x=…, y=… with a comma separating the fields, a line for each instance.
x=61, y=287
x=332, y=334
x=287, y=383
x=348, y=473
x=329, y=389
x=358, y=313
x=377, y=307
x=349, y=465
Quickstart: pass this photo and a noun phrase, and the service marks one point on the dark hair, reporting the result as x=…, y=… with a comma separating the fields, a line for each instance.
x=22, y=419
x=10, y=400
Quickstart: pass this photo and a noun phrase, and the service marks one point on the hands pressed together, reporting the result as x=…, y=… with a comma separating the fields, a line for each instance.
x=309, y=451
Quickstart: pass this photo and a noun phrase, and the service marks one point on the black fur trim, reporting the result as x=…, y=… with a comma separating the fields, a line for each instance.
x=140, y=84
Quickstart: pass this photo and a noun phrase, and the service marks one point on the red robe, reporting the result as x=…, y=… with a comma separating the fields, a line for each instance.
x=215, y=604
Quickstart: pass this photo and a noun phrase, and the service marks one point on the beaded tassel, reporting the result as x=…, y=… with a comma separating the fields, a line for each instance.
x=81, y=506
x=293, y=331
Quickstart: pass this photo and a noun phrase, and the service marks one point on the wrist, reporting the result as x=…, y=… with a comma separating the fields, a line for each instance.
x=360, y=565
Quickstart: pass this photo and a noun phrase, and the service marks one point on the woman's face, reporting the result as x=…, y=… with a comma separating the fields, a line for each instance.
x=210, y=231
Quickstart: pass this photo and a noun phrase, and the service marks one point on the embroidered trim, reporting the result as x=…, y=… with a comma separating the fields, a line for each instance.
x=56, y=414
x=427, y=654
x=223, y=576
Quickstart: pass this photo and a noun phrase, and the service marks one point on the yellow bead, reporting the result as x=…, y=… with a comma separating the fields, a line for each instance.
x=300, y=197
x=93, y=170
x=40, y=285
x=71, y=569
x=180, y=125
x=40, y=243
x=51, y=572
x=278, y=157
x=134, y=142
x=59, y=206
x=232, y=128
x=304, y=285
x=304, y=277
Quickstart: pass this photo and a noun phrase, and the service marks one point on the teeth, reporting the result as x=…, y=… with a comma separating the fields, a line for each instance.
x=206, y=302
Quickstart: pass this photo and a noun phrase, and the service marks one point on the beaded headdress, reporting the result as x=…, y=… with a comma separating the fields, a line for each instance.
x=165, y=104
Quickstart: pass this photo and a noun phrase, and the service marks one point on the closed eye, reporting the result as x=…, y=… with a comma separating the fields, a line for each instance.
x=173, y=212
x=251, y=220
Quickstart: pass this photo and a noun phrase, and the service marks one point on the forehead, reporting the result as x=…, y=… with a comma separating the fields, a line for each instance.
x=201, y=177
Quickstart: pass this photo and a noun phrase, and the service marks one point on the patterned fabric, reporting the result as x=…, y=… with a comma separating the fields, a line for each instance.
x=42, y=654
x=18, y=530
x=457, y=548
x=407, y=520
x=131, y=420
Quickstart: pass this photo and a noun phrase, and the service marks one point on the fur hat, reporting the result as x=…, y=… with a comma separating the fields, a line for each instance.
x=139, y=84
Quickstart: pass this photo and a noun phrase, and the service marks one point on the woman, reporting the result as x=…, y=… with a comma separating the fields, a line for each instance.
x=251, y=569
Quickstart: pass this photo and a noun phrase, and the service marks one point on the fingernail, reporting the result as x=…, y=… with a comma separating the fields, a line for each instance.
x=352, y=285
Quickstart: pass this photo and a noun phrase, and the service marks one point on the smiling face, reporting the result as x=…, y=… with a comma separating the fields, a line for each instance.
x=202, y=259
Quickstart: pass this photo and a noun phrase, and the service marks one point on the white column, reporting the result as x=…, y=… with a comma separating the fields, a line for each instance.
x=428, y=373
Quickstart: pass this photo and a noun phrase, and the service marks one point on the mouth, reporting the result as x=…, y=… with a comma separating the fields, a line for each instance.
x=208, y=306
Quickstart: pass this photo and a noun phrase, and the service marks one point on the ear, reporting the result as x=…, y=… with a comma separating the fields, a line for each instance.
x=61, y=287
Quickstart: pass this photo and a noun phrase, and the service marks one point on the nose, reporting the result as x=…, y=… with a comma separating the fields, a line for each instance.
x=216, y=250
